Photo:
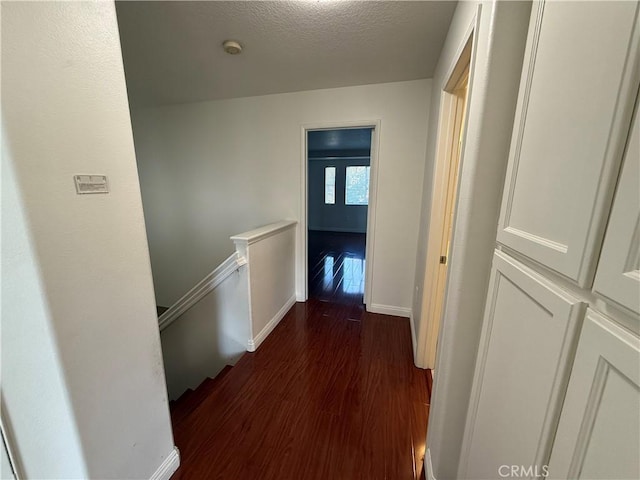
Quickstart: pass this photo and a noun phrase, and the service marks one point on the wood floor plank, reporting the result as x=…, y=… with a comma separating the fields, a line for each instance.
x=336, y=266
x=323, y=397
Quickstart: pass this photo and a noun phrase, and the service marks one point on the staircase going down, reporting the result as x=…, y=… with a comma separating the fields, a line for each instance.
x=182, y=408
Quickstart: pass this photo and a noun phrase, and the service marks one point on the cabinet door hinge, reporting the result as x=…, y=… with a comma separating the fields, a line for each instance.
x=443, y=259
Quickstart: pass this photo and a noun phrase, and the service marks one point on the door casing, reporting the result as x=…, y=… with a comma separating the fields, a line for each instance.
x=302, y=267
x=450, y=143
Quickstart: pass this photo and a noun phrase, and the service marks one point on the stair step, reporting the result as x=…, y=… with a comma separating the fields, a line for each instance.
x=223, y=373
x=191, y=399
x=227, y=388
x=177, y=407
x=182, y=398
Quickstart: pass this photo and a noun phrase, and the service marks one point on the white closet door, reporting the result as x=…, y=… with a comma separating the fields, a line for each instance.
x=599, y=431
x=524, y=357
x=618, y=274
x=577, y=91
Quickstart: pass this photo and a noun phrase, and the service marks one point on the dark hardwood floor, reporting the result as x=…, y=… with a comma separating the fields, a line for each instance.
x=324, y=397
x=336, y=266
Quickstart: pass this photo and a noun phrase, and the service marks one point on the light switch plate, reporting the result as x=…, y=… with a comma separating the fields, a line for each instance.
x=91, y=184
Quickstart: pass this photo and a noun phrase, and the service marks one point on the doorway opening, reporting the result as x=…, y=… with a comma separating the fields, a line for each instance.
x=338, y=196
x=443, y=201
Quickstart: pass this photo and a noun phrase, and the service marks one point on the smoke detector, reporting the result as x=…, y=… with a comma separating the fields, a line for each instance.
x=232, y=47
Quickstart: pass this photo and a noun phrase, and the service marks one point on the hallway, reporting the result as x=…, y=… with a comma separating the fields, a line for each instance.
x=323, y=397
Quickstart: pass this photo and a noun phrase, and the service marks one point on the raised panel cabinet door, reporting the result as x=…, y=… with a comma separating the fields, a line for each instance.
x=529, y=334
x=599, y=431
x=581, y=73
x=618, y=273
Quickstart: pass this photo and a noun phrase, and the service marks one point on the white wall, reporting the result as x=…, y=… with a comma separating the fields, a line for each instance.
x=6, y=472
x=211, y=169
x=211, y=334
x=493, y=89
x=82, y=367
x=271, y=256
x=34, y=395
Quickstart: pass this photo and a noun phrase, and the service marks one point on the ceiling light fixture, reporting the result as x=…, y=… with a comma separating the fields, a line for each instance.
x=232, y=47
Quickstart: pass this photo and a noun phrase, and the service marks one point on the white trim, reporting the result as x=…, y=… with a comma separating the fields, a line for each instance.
x=301, y=251
x=428, y=466
x=545, y=242
x=389, y=310
x=206, y=285
x=301, y=257
x=168, y=467
x=253, y=236
x=254, y=342
x=469, y=34
x=414, y=342
x=432, y=305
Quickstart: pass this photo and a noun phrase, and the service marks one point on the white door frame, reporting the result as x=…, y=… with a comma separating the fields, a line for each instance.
x=302, y=265
x=432, y=306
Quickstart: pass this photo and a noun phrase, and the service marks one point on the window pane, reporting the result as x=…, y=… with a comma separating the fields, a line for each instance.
x=357, y=186
x=330, y=185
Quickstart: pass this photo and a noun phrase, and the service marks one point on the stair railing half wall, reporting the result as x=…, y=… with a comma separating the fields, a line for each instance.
x=231, y=310
x=270, y=252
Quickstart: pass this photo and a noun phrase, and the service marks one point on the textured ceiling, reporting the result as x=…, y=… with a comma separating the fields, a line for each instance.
x=172, y=50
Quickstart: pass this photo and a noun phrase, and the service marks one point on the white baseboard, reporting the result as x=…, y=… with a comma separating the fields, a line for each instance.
x=254, y=343
x=414, y=341
x=168, y=467
x=428, y=466
x=389, y=310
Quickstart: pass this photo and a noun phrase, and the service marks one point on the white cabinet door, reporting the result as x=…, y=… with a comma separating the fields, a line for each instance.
x=529, y=334
x=618, y=274
x=576, y=96
x=599, y=431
